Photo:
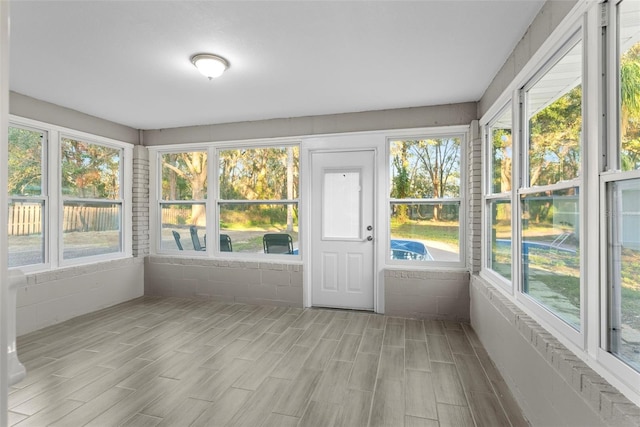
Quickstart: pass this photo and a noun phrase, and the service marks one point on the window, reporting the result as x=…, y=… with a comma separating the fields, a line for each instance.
x=27, y=196
x=183, y=210
x=66, y=198
x=622, y=186
x=91, y=198
x=549, y=196
x=623, y=198
x=258, y=195
x=498, y=194
x=575, y=203
x=425, y=199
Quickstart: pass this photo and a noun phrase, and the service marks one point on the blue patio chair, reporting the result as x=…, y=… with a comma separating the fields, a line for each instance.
x=195, y=239
x=277, y=244
x=176, y=237
x=225, y=243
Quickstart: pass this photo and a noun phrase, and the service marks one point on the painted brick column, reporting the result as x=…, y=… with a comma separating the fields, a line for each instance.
x=140, y=201
x=474, y=197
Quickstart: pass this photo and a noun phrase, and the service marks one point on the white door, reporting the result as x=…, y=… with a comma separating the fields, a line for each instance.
x=342, y=267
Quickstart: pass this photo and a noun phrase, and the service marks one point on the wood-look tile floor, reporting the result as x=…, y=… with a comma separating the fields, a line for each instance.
x=183, y=362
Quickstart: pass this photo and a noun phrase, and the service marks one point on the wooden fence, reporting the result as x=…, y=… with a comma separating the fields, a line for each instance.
x=25, y=219
x=176, y=216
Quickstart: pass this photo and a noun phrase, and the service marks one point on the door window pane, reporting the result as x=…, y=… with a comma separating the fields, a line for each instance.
x=341, y=205
x=554, y=108
x=551, y=252
x=624, y=254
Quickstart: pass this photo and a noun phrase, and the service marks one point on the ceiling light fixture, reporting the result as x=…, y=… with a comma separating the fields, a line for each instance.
x=209, y=65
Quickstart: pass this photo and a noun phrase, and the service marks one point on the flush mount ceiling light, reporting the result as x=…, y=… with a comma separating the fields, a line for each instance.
x=209, y=65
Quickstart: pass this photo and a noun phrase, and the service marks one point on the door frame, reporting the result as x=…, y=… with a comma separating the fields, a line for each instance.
x=326, y=162
x=368, y=141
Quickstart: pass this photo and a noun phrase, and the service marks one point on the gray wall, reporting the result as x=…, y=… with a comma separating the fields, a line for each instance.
x=404, y=118
x=552, y=386
x=35, y=109
x=551, y=14
x=442, y=295
x=230, y=281
x=54, y=296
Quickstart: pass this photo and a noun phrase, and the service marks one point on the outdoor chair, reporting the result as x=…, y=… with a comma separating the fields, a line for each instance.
x=196, y=240
x=176, y=237
x=277, y=244
x=225, y=243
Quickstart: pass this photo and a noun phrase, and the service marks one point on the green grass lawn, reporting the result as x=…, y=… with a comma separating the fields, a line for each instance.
x=439, y=231
x=560, y=272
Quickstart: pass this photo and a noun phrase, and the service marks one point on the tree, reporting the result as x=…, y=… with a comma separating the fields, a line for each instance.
x=441, y=160
x=89, y=170
x=502, y=164
x=189, y=170
x=401, y=180
x=554, y=143
x=630, y=108
x=25, y=162
x=501, y=169
x=426, y=168
x=269, y=173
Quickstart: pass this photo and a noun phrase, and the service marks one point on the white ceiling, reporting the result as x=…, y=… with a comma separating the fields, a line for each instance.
x=128, y=61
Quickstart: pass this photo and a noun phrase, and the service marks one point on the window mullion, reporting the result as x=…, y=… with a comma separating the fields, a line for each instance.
x=55, y=203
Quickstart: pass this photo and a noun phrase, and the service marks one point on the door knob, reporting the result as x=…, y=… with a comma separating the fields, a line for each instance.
x=369, y=238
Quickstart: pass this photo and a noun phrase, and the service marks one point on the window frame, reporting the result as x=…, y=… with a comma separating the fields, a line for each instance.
x=248, y=145
x=489, y=197
x=53, y=216
x=161, y=201
x=43, y=198
x=63, y=200
x=597, y=22
x=611, y=172
x=461, y=132
x=213, y=200
x=555, y=47
x=524, y=188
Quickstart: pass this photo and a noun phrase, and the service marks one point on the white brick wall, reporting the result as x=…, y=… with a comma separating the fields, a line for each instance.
x=140, y=220
x=474, y=197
